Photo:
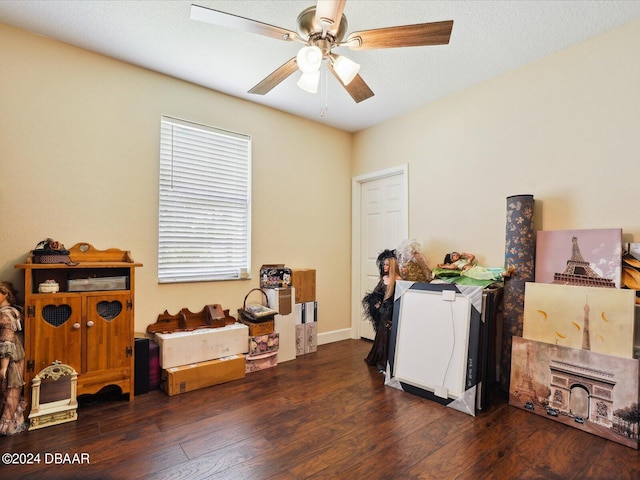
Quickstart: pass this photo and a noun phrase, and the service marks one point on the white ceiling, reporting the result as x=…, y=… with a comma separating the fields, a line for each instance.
x=488, y=38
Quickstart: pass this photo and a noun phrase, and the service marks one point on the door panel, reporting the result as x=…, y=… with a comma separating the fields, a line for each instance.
x=108, y=331
x=57, y=332
x=383, y=225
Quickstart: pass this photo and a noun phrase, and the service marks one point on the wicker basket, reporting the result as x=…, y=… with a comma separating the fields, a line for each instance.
x=43, y=253
x=51, y=258
x=256, y=313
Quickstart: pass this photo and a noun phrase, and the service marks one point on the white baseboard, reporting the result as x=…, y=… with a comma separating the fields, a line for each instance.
x=334, y=336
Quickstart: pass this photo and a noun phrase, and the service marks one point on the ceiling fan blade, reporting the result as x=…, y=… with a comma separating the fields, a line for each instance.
x=277, y=76
x=357, y=87
x=421, y=34
x=329, y=12
x=215, y=17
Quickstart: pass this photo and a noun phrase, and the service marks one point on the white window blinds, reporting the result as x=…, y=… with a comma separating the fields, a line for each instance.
x=204, y=230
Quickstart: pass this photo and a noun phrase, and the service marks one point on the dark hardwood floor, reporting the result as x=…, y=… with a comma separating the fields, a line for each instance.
x=325, y=415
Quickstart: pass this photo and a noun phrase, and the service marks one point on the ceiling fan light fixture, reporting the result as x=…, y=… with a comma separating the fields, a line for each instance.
x=345, y=68
x=321, y=28
x=309, y=81
x=309, y=59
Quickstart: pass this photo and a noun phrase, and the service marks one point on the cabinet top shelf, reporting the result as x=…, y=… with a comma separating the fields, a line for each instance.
x=49, y=266
x=84, y=255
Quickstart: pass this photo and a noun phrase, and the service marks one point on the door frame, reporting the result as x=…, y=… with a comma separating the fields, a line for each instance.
x=356, y=244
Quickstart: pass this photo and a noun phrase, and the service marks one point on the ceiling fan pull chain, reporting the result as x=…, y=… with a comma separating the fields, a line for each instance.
x=326, y=94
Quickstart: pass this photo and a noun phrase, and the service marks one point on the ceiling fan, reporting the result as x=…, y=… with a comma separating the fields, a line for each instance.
x=321, y=28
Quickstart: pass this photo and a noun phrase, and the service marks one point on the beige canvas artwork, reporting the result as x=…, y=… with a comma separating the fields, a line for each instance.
x=590, y=318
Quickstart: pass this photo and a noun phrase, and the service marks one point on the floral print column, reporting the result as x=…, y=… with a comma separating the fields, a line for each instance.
x=519, y=253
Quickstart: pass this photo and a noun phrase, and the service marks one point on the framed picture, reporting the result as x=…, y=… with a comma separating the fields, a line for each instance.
x=590, y=391
x=435, y=342
x=592, y=318
x=579, y=257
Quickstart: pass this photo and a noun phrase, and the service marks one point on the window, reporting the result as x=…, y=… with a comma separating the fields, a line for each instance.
x=204, y=229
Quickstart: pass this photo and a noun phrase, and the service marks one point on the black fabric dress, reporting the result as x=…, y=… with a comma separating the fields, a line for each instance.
x=380, y=313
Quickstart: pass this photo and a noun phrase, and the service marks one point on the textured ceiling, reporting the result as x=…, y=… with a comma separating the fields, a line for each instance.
x=488, y=38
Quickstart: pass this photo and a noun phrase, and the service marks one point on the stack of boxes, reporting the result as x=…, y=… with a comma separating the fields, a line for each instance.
x=264, y=342
x=306, y=310
x=209, y=356
x=292, y=292
x=281, y=300
x=202, y=357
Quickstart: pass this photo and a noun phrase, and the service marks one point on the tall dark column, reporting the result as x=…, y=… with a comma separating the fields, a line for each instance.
x=519, y=253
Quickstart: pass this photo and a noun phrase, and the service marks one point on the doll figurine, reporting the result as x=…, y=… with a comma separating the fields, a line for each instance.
x=12, y=404
x=466, y=264
x=378, y=307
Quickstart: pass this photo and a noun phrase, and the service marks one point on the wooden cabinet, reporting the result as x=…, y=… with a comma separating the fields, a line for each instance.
x=88, y=324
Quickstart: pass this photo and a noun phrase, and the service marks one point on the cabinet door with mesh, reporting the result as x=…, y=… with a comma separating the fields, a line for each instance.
x=109, y=333
x=57, y=331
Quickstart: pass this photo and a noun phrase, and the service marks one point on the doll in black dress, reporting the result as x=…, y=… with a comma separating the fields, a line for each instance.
x=378, y=307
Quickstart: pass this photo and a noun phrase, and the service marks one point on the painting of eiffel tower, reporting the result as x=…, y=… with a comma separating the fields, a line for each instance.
x=525, y=391
x=588, y=258
x=581, y=389
x=579, y=272
x=585, y=318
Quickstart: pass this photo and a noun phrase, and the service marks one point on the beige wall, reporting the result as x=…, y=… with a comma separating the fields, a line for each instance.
x=565, y=129
x=79, y=136
x=79, y=154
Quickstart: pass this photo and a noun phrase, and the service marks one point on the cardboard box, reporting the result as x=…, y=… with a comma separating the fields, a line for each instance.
x=186, y=378
x=261, y=344
x=286, y=328
x=306, y=338
x=261, y=362
x=298, y=309
x=304, y=281
x=306, y=327
x=301, y=333
x=309, y=312
x=311, y=337
x=185, y=348
x=280, y=299
x=262, y=328
x=275, y=275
